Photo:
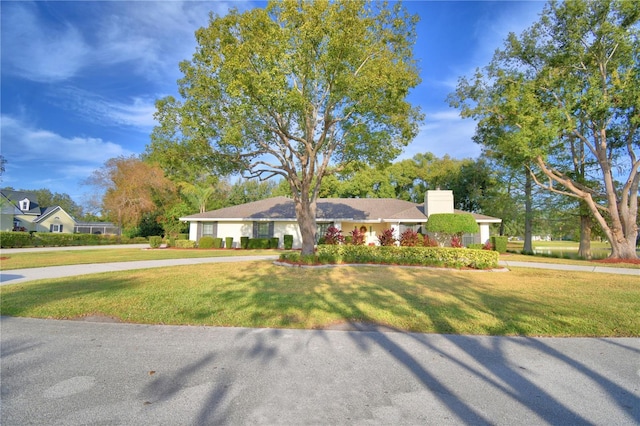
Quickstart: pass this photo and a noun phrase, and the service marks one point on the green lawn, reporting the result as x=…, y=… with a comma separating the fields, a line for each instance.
x=258, y=294
x=76, y=257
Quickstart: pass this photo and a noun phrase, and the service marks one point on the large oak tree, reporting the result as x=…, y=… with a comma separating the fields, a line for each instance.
x=563, y=99
x=293, y=89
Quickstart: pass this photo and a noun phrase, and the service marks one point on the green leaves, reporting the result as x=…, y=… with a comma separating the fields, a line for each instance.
x=563, y=99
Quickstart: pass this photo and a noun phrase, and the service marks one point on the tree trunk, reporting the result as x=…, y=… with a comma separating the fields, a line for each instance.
x=584, y=250
x=306, y=215
x=528, y=214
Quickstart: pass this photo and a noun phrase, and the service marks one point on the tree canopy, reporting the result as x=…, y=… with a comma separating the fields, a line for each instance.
x=563, y=99
x=292, y=89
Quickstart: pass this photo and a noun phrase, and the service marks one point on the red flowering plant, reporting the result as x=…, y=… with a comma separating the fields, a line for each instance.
x=456, y=242
x=429, y=242
x=409, y=238
x=333, y=236
x=357, y=237
x=387, y=238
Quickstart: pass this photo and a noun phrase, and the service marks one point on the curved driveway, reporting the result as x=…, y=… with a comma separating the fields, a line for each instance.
x=72, y=373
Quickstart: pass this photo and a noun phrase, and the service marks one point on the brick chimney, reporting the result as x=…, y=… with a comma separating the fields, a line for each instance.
x=438, y=201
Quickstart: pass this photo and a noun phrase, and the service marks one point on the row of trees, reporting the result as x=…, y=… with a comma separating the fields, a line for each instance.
x=145, y=198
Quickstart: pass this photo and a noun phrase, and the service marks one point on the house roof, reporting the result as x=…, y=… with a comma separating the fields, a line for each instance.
x=50, y=210
x=329, y=209
x=16, y=196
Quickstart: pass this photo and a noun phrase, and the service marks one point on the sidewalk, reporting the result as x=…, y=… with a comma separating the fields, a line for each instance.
x=576, y=268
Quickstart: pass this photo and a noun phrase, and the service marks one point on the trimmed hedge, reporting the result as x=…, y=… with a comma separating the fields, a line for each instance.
x=10, y=239
x=392, y=255
x=288, y=242
x=217, y=243
x=499, y=244
x=228, y=242
x=259, y=243
x=244, y=242
x=274, y=242
x=155, y=241
x=185, y=244
x=16, y=239
x=205, y=242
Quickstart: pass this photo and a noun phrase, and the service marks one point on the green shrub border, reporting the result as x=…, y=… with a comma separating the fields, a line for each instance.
x=228, y=242
x=10, y=239
x=259, y=243
x=392, y=255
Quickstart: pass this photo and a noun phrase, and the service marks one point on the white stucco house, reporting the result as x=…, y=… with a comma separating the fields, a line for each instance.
x=275, y=217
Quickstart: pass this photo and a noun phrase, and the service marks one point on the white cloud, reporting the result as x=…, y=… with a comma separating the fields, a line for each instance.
x=37, y=52
x=137, y=111
x=23, y=144
x=150, y=37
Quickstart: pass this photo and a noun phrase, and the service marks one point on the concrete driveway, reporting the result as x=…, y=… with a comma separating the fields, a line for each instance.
x=77, y=373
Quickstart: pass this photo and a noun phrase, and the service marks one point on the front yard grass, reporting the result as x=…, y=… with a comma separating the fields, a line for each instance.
x=76, y=257
x=258, y=294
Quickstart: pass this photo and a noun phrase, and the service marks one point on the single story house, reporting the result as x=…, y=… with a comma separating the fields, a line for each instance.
x=21, y=212
x=275, y=217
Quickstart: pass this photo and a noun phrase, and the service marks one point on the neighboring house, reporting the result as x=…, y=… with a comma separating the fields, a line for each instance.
x=21, y=212
x=275, y=217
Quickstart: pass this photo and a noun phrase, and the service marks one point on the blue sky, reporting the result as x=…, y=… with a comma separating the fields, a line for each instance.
x=79, y=79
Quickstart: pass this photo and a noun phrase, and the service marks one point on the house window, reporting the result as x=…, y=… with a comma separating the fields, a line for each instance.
x=262, y=229
x=321, y=229
x=416, y=227
x=24, y=205
x=209, y=229
x=55, y=228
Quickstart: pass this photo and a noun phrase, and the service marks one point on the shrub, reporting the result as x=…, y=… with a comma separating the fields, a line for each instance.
x=155, y=241
x=15, y=239
x=429, y=242
x=244, y=242
x=476, y=246
x=185, y=244
x=258, y=243
x=288, y=242
x=423, y=256
x=274, y=242
x=444, y=226
x=499, y=244
x=357, y=237
x=217, y=243
x=228, y=242
x=409, y=238
x=333, y=236
x=487, y=245
x=387, y=238
x=456, y=242
x=205, y=242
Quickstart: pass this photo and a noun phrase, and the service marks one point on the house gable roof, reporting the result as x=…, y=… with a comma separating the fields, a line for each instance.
x=328, y=209
x=16, y=196
x=50, y=211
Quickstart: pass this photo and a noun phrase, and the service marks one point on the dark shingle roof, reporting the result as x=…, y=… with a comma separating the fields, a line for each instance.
x=363, y=209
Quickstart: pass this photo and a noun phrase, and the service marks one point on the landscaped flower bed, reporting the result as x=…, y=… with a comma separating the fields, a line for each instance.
x=393, y=255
